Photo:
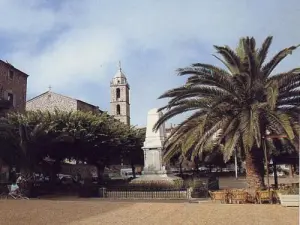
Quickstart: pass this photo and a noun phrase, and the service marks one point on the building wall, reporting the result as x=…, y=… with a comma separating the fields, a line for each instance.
x=50, y=101
x=83, y=106
x=15, y=85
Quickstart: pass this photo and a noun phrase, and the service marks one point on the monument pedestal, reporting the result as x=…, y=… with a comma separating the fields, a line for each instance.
x=156, y=178
x=154, y=171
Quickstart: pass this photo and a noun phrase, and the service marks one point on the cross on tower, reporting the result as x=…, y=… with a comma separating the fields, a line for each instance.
x=120, y=65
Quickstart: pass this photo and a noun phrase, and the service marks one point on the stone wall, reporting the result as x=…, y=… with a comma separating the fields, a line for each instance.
x=85, y=107
x=50, y=101
x=13, y=81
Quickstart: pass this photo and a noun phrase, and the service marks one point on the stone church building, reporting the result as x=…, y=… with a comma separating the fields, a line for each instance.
x=49, y=101
x=119, y=100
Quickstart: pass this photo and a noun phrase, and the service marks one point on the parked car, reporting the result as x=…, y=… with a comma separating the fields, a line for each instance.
x=279, y=174
x=127, y=173
x=65, y=179
x=203, y=168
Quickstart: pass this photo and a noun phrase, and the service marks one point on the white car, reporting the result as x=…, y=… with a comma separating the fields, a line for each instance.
x=203, y=168
x=279, y=174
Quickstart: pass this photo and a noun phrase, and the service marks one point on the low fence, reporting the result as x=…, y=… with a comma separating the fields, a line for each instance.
x=147, y=194
x=139, y=193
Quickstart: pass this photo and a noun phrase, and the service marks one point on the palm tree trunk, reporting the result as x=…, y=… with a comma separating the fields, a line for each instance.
x=255, y=168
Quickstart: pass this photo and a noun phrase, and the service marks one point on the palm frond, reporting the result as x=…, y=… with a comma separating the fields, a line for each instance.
x=269, y=67
x=263, y=51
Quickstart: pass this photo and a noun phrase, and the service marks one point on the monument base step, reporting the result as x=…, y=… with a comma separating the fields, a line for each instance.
x=150, y=178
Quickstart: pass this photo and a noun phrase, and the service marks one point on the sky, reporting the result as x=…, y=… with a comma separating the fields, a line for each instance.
x=75, y=45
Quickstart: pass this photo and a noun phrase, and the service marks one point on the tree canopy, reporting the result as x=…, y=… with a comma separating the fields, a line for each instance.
x=98, y=139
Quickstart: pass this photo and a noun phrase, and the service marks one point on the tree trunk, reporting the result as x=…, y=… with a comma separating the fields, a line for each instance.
x=55, y=169
x=255, y=168
x=133, y=170
x=181, y=159
x=291, y=172
x=27, y=182
x=180, y=169
x=196, y=163
x=100, y=171
x=275, y=174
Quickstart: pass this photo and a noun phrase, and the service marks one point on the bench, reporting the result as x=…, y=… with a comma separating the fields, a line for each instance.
x=289, y=200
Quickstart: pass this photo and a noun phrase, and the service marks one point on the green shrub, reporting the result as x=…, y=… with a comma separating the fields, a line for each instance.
x=193, y=183
x=290, y=191
x=155, y=185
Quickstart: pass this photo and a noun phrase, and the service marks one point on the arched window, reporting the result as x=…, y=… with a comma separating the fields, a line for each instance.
x=118, y=110
x=118, y=93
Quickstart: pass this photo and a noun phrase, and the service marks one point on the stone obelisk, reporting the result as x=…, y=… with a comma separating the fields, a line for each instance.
x=153, y=147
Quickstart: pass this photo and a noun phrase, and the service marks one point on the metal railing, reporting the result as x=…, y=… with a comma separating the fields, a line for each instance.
x=144, y=194
x=200, y=191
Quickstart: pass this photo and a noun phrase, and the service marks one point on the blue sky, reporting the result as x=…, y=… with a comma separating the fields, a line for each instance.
x=75, y=46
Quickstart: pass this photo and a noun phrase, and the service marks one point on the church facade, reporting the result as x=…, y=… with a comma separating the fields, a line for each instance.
x=119, y=100
x=49, y=101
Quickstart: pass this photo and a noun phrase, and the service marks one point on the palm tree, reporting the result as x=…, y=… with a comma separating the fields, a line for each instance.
x=236, y=106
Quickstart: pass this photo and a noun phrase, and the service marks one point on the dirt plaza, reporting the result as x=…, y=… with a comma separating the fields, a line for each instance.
x=94, y=211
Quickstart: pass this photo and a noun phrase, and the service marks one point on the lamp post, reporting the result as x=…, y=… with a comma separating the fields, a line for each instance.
x=273, y=163
x=235, y=165
x=266, y=161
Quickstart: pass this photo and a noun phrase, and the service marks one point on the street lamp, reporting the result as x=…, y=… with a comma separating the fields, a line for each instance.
x=235, y=164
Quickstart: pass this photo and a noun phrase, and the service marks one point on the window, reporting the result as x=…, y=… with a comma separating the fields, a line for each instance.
x=118, y=110
x=10, y=98
x=11, y=74
x=1, y=91
x=118, y=93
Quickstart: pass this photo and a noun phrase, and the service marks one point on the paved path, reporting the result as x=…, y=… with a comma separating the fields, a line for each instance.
x=90, y=212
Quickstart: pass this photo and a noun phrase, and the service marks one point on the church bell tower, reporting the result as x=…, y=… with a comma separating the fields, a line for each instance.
x=119, y=97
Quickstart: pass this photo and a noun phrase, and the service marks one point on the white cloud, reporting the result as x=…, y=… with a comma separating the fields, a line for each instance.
x=97, y=34
x=77, y=56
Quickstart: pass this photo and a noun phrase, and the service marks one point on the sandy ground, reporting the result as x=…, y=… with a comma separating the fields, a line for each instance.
x=89, y=212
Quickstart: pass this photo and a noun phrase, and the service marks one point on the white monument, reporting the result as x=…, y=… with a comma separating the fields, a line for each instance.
x=153, y=146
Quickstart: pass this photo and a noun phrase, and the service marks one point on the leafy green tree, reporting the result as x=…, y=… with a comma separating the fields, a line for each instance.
x=132, y=147
x=97, y=139
x=32, y=140
x=8, y=139
x=237, y=105
x=88, y=137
